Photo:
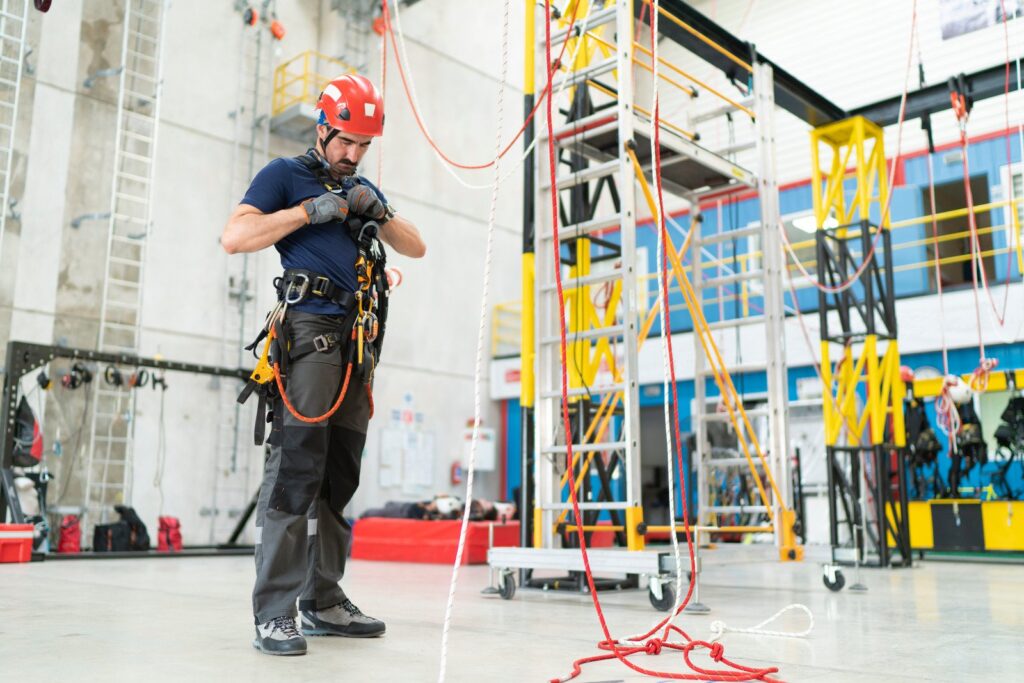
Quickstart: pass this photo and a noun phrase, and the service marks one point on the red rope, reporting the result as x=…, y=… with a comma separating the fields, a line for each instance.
x=654, y=645
x=551, y=66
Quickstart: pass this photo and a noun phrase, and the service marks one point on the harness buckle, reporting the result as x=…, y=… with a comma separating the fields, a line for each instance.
x=321, y=343
x=321, y=289
x=296, y=290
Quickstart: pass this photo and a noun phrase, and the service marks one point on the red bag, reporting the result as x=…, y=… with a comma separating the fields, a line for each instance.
x=169, y=536
x=70, y=540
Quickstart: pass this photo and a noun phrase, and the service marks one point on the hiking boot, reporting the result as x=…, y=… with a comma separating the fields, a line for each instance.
x=279, y=637
x=343, y=619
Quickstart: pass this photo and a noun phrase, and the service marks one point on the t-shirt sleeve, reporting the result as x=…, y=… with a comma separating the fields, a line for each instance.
x=270, y=189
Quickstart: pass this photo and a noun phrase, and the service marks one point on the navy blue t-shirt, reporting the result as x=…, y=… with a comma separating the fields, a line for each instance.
x=325, y=248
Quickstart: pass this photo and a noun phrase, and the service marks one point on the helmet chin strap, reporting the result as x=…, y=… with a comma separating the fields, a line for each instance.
x=322, y=152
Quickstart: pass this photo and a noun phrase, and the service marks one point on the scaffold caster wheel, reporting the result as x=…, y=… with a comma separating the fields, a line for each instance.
x=667, y=599
x=507, y=589
x=834, y=583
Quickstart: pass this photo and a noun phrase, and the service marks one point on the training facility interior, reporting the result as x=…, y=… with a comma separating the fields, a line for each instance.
x=712, y=367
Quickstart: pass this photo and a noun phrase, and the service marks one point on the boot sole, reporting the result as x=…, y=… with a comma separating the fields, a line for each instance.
x=292, y=653
x=318, y=631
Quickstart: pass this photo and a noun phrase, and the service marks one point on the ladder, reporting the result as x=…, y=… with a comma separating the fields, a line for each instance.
x=599, y=126
x=724, y=468
x=13, y=24
x=605, y=143
x=109, y=463
x=233, y=480
x=357, y=15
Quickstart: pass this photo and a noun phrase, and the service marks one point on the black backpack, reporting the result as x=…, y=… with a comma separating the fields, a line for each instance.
x=138, y=536
x=111, y=538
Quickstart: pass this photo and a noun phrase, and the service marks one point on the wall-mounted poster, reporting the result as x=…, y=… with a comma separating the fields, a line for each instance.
x=964, y=16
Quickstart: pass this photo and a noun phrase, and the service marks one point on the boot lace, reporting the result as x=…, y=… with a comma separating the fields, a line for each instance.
x=286, y=625
x=351, y=609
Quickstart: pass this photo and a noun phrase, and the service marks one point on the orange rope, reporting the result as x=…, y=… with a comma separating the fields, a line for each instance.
x=299, y=416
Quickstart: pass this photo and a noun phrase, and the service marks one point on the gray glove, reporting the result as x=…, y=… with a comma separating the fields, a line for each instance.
x=327, y=207
x=364, y=202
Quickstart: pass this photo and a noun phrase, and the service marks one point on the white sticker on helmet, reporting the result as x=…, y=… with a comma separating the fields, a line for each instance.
x=369, y=108
x=332, y=91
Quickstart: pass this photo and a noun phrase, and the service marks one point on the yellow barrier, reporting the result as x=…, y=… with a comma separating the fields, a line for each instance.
x=301, y=79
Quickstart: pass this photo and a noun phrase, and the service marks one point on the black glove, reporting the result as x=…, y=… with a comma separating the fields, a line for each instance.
x=363, y=201
x=327, y=207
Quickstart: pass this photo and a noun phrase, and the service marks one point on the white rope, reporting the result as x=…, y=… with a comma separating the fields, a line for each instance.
x=720, y=628
x=666, y=333
x=478, y=370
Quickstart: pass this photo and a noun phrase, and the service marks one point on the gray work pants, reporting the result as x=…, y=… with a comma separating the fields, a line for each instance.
x=311, y=474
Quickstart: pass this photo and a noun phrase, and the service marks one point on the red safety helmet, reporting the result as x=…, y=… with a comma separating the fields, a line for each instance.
x=352, y=104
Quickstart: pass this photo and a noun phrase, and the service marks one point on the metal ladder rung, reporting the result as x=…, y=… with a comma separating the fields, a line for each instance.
x=724, y=417
x=738, y=369
x=729, y=235
x=735, y=509
x=736, y=322
x=586, y=133
x=715, y=282
x=732, y=462
x=121, y=326
x=120, y=260
x=593, y=20
x=125, y=218
x=137, y=157
x=616, y=505
x=585, y=391
x=709, y=114
x=613, y=331
x=586, y=175
x=137, y=136
x=146, y=98
x=123, y=283
x=584, y=122
x=127, y=305
x=132, y=198
x=575, y=230
x=584, y=280
x=581, y=75
x=586, y=447
x=15, y=17
x=132, y=177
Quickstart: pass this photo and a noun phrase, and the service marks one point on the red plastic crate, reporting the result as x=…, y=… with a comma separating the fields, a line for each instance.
x=16, y=542
x=414, y=540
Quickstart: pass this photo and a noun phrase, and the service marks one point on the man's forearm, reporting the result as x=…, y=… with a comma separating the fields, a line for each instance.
x=255, y=231
x=403, y=237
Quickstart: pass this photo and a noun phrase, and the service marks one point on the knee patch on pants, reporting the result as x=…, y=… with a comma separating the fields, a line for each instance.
x=301, y=470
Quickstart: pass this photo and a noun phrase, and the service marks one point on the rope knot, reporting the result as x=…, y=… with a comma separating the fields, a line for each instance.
x=653, y=646
x=717, y=652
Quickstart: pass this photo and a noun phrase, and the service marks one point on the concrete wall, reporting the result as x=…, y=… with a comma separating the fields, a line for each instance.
x=50, y=288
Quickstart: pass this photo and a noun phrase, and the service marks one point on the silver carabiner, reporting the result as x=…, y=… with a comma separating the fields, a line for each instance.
x=290, y=296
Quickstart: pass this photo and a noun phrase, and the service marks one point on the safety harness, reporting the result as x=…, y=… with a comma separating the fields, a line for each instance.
x=360, y=335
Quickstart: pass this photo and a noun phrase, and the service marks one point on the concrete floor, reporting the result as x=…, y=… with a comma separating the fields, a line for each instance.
x=188, y=619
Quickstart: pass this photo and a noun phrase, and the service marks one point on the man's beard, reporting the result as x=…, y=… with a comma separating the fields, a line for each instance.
x=344, y=168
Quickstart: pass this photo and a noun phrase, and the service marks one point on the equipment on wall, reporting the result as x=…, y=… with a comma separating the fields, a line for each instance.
x=23, y=358
x=77, y=376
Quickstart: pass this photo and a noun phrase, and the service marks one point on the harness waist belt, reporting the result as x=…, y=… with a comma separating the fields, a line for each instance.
x=297, y=285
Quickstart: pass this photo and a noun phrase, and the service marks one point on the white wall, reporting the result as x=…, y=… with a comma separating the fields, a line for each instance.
x=53, y=295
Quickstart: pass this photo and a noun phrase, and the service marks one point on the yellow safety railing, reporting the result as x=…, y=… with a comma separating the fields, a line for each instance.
x=505, y=325
x=301, y=79
x=744, y=262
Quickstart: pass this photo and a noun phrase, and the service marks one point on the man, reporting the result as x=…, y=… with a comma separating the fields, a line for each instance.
x=321, y=217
